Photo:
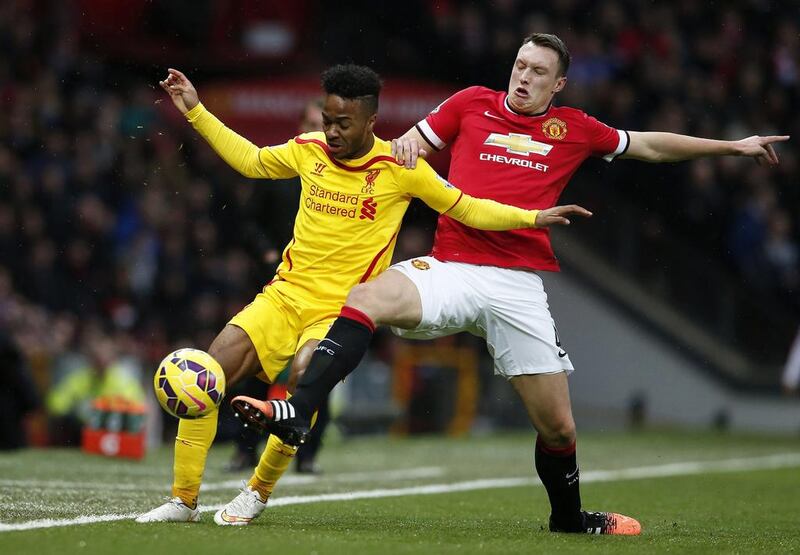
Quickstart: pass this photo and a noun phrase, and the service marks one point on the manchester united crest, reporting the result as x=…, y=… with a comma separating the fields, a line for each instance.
x=555, y=129
x=420, y=264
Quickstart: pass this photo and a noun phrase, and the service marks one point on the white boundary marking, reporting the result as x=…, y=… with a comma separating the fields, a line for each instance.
x=294, y=480
x=398, y=474
x=784, y=460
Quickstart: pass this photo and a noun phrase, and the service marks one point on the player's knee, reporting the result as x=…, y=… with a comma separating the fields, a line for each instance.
x=235, y=353
x=560, y=433
x=298, y=369
x=300, y=363
x=222, y=356
x=363, y=297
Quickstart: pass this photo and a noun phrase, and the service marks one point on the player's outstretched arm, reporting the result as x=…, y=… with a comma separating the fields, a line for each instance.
x=238, y=152
x=653, y=146
x=494, y=216
x=409, y=147
x=480, y=213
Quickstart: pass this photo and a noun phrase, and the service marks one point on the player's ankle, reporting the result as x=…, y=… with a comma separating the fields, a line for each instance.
x=264, y=489
x=187, y=499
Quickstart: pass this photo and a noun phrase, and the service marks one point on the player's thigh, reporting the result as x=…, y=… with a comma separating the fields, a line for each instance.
x=520, y=332
x=272, y=330
x=390, y=299
x=236, y=354
x=546, y=399
x=449, y=301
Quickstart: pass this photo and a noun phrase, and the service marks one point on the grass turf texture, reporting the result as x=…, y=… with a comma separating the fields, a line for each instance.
x=733, y=512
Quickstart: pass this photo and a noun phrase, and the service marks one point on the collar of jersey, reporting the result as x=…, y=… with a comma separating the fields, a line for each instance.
x=510, y=110
x=355, y=164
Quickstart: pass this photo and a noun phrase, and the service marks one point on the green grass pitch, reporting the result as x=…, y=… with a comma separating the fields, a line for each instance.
x=693, y=493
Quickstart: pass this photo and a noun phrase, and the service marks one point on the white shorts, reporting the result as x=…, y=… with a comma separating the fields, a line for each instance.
x=506, y=307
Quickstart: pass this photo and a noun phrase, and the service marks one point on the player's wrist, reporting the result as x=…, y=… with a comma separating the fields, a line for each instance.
x=534, y=215
x=195, y=112
x=738, y=148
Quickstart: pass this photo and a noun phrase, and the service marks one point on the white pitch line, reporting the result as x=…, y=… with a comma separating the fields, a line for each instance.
x=294, y=480
x=784, y=460
x=73, y=487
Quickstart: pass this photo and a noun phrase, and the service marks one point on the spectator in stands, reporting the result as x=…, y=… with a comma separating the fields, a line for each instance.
x=102, y=375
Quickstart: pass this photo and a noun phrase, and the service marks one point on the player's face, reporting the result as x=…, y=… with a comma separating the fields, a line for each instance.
x=534, y=79
x=348, y=126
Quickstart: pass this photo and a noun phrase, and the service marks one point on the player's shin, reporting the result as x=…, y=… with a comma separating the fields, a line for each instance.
x=334, y=358
x=192, y=443
x=558, y=471
x=272, y=465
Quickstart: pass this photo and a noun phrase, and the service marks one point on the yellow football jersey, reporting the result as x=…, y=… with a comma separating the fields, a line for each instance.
x=350, y=210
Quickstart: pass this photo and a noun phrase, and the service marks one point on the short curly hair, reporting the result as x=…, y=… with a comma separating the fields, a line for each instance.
x=353, y=82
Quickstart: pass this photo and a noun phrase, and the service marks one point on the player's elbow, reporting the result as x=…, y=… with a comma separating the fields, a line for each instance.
x=657, y=156
x=250, y=171
x=648, y=155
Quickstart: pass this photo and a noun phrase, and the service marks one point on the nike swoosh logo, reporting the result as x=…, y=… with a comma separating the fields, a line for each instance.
x=572, y=474
x=199, y=403
x=562, y=354
x=228, y=518
x=490, y=115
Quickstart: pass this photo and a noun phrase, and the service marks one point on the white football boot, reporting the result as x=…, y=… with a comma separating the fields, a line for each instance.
x=242, y=509
x=174, y=510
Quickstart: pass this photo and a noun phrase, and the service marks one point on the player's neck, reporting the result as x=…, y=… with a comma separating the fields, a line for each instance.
x=538, y=111
x=365, y=148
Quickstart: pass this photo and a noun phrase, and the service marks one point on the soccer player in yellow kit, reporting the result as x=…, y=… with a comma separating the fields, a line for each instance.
x=354, y=195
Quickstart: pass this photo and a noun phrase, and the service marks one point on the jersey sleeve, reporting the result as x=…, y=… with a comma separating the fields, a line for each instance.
x=424, y=183
x=606, y=141
x=443, y=123
x=272, y=162
x=281, y=161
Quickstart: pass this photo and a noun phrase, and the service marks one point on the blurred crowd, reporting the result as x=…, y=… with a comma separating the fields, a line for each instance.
x=116, y=223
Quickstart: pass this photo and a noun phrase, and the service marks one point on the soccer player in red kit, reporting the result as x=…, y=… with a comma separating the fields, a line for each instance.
x=514, y=147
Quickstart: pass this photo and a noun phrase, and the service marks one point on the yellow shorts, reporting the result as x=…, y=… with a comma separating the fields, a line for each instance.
x=280, y=320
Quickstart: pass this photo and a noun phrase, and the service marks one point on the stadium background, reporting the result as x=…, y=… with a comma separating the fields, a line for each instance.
x=123, y=236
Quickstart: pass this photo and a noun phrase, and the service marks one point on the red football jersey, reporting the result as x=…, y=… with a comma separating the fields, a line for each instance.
x=524, y=161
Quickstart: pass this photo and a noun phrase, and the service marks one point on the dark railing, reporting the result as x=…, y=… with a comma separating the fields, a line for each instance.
x=754, y=323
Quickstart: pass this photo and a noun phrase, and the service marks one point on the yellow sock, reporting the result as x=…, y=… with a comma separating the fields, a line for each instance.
x=192, y=443
x=273, y=463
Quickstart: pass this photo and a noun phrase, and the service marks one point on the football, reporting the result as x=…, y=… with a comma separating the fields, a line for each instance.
x=189, y=383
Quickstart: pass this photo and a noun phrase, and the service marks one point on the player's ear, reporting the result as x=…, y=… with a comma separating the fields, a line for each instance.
x=561, y=82
x=371, y=121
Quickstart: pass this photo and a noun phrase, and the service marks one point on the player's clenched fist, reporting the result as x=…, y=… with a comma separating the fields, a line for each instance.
x=180, y=90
